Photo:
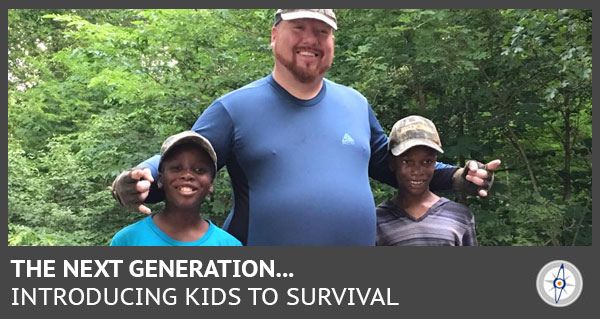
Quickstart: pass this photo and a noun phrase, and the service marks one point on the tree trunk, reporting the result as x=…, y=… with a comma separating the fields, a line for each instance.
x=461, y=132
x=567, y=147
x=460, y=197
x=515, y=142
x=421, y=95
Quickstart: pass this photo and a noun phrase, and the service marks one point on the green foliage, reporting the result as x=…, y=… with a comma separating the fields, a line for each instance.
x=92, y=92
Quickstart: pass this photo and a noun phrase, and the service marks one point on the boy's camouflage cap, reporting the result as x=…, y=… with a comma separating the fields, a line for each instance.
x=412, y=131
x=191, y=137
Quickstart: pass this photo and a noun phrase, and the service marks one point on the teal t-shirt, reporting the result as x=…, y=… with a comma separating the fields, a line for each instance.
x=146, y=233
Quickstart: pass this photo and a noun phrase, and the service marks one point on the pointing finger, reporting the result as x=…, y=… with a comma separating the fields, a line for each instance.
x=493, y=164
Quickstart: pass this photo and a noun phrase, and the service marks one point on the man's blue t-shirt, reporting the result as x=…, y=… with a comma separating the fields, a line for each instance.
x=299, y=168
x=146, y=233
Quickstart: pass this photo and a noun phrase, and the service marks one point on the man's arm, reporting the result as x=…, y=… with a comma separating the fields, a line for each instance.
x=443, y=177
x=378, y=163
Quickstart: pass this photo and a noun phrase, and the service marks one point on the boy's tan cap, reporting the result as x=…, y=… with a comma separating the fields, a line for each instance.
x=412, y=131
x=188, y=137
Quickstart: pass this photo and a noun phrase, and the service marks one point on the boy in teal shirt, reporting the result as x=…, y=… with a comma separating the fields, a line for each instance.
x=186, y=172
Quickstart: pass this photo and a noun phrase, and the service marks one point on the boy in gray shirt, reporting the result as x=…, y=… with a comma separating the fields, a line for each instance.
x=416, y=216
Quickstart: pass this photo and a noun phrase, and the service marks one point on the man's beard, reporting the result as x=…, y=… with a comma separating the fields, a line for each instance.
x=304, y=75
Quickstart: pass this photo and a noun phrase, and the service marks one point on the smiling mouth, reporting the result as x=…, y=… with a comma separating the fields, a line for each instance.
x=308, y=53
x=186, y=190
x=417, y=183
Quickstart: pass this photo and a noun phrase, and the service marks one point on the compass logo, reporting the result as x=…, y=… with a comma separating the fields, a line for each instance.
x=559, y=283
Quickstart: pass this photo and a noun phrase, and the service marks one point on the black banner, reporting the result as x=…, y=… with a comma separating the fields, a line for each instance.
x=271, y=281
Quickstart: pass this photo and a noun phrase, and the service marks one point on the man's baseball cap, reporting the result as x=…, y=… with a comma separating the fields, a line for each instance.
x=325, y=15
x=412, y=131
x=188, y=137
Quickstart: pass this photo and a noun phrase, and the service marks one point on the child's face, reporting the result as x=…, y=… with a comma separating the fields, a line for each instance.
x=414, y=169
x=186, y=177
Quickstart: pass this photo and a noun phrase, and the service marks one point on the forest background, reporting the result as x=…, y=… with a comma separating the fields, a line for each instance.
x=93, y=92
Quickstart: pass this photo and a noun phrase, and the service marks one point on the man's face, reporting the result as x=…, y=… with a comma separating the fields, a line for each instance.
x=414, y=169
x=186, y=177
x=304, y=47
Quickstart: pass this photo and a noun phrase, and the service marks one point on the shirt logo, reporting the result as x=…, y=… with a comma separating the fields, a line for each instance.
x=347, y=139
x=559, y=283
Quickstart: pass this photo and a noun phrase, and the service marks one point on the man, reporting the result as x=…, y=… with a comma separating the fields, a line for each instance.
x=299, y=148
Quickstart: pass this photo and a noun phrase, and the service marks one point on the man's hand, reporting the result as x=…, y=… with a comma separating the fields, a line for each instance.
x=132, y=187
x=480, y=176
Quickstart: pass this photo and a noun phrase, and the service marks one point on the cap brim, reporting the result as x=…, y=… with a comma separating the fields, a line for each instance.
x=309, y=15
x=403, y=147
